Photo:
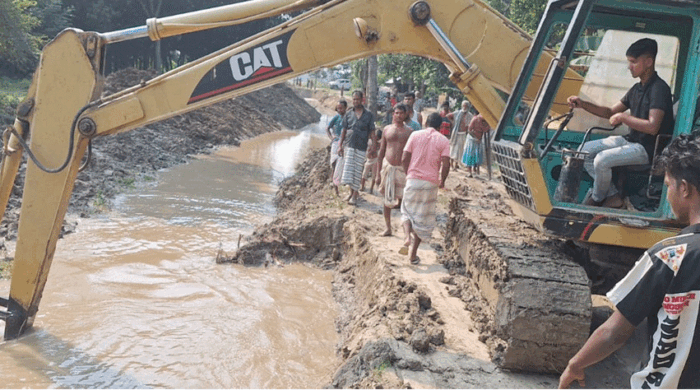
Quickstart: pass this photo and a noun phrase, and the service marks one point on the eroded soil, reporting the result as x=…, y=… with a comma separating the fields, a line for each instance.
x=401, y=326
x=122, y=160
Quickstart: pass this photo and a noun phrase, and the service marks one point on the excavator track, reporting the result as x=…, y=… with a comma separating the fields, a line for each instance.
x=533, y=301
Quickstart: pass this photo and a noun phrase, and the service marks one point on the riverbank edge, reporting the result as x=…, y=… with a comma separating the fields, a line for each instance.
x=123, y=161
x=391, y=333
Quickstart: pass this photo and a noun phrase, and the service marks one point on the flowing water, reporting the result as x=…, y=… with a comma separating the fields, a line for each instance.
x=135, y=299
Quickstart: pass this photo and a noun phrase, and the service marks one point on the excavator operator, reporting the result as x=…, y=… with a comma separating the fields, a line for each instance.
x=651, y=113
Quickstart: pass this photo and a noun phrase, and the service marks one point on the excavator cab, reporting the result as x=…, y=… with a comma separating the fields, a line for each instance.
x=540, y=160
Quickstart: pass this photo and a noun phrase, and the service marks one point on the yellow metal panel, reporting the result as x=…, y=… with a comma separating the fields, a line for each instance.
x=10, y=165
x=63, y=67
x=538, y=188
x=628, y=236
x=526, y=214
x=124, y=112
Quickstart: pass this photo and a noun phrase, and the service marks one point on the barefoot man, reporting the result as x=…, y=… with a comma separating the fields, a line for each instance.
x=359, y=125
x=425, y=152
x=392, y=179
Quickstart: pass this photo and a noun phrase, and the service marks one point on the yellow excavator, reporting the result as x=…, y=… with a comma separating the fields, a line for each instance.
x=490, y=60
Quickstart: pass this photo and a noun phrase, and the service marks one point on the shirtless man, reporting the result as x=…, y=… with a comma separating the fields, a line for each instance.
x=392, y=174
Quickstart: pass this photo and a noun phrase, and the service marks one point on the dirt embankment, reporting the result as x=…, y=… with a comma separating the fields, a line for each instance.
x=121, y=160
x=430, y=325
x=400, y=326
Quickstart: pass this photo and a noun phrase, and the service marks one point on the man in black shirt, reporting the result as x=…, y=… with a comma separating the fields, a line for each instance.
x=651, y=113
x=663, y=287
x=358, y=126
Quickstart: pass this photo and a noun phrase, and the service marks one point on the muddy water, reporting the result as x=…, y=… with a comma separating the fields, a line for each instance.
x=136, y=300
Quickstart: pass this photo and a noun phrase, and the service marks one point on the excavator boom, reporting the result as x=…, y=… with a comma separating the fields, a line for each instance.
x=64, y=109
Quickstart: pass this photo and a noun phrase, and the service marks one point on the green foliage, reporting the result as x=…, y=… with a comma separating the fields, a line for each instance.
x=5, y=269
x=25, y=26
x=379, y=371
x=12, y=92
x=100, y=201
x=527, y=13
x=524, y=13
x=415, y=73
x=127, y=182
x=18, y=48
x=54, y=16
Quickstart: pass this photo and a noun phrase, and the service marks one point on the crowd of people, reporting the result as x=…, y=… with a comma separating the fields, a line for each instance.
x=408, y=160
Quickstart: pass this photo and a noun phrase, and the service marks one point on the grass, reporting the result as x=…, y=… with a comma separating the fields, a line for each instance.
x=127, y=182
x=5, y=269
x=16, y=88
x=379, y=371
x=100, y=201
x=12, y=92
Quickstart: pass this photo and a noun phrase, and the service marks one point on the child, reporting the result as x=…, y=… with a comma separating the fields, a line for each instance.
x=370, y=166
x=447, y=118
x=473, y=155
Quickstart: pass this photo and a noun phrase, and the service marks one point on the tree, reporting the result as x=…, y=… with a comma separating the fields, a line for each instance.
x=53, y=17
x=524, y=13
x=372, y=90
x=527, y=13
x=25, y=27
x=18, y=48
x=152, y=9
x=419, y=73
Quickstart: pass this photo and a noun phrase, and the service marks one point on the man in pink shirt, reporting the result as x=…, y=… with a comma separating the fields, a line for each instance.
x=425, y=152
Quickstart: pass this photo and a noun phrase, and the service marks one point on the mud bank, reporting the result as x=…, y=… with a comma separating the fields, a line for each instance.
x=121, y=161
x=435, y=325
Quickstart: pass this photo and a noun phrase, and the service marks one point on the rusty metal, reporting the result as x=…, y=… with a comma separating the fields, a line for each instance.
x=420, y=13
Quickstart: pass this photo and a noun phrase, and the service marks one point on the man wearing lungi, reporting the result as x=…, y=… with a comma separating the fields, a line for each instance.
x=473, y=153
x=361, y=123
x=459, y=134
x=392, y=179
x=335, y=127
x=425, y=152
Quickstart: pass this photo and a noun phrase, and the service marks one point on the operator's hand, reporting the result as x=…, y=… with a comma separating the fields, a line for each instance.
x=379, y=180
x=570, y=375
x=617, y=118
x=575, y=102
x=340, y=150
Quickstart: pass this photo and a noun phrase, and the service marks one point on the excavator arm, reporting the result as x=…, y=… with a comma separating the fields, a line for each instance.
x=64, y=109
